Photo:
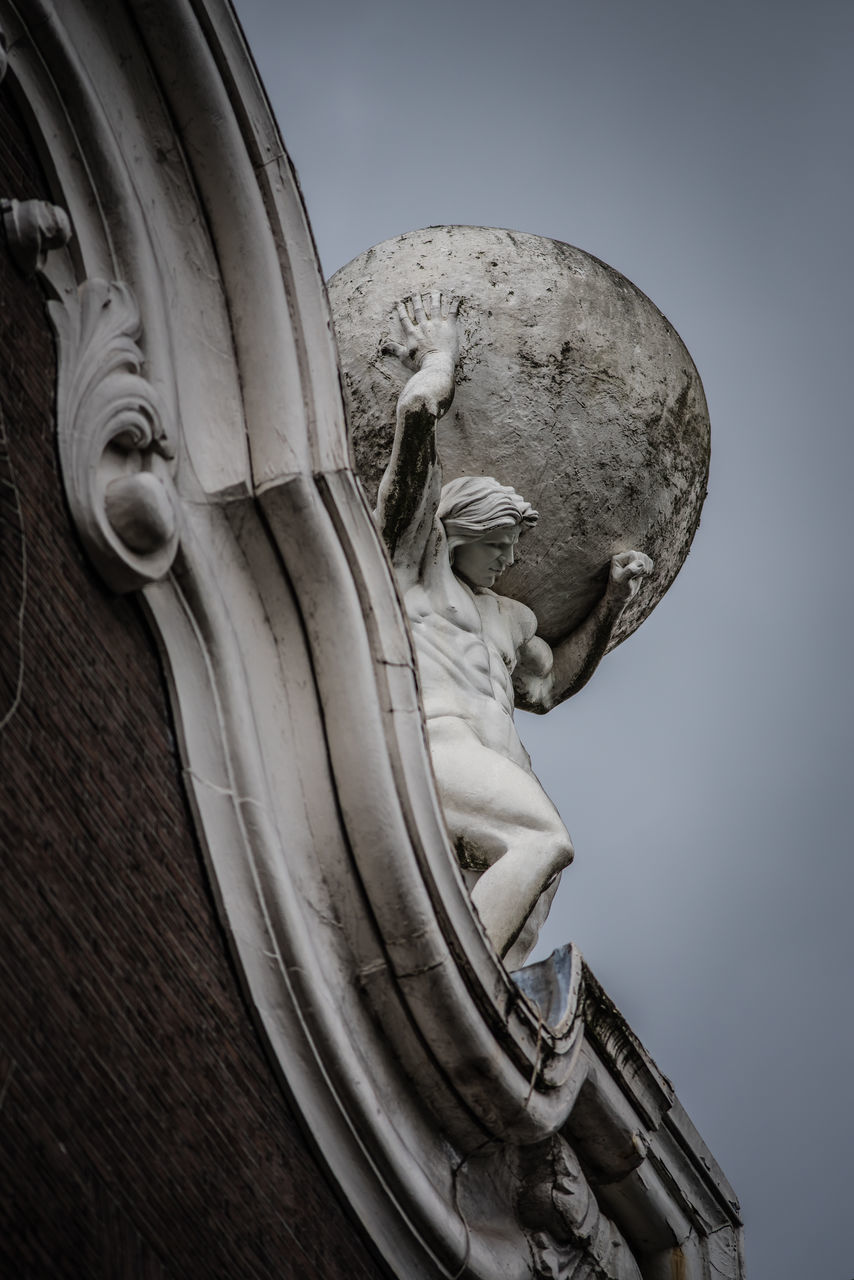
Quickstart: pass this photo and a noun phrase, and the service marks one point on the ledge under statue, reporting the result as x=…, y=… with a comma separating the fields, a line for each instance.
x=478, y=652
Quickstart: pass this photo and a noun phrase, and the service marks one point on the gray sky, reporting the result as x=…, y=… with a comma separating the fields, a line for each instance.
x=704, y=150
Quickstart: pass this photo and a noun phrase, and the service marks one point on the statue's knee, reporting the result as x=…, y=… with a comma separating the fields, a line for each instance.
x=561, y=854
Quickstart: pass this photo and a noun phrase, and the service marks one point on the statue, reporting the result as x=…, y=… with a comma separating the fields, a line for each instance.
x=478, y=652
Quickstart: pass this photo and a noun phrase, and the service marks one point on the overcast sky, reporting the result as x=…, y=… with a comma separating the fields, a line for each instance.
x=704, y=150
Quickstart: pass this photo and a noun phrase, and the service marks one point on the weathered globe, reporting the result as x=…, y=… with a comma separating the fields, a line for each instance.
x=572, y=386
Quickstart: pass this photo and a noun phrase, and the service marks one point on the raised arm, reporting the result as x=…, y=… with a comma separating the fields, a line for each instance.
x=543, y=677
x=410, y=489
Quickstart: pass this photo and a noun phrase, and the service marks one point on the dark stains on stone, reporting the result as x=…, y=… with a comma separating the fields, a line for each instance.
x=405, y=490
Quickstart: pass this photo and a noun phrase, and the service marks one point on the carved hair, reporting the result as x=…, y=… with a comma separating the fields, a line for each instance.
x=472, y=505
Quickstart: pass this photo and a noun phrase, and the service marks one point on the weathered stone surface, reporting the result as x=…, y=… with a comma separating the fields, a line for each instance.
x=572, y=387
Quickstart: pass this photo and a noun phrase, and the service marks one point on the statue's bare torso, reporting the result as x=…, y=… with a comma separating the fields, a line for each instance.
x=467, y=641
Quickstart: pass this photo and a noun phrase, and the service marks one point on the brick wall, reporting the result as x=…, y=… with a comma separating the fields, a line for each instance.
x=141, y=1132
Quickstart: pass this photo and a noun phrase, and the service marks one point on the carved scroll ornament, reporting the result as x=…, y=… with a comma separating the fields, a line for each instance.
x=33, y=228
x=114, y=440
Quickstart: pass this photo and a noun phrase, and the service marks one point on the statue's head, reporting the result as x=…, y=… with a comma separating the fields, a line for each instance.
x=483, y=521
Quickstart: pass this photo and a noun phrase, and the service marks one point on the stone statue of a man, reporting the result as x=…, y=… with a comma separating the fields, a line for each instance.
x=478, y=652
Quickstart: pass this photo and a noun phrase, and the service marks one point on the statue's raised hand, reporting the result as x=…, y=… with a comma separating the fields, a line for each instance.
x=431, y=347
x=628, y=569
x=429, y=325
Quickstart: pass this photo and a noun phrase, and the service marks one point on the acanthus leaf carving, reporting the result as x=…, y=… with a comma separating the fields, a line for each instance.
x=115, y=440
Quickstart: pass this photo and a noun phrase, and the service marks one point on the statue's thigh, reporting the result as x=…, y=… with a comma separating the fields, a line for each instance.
x=491, y=804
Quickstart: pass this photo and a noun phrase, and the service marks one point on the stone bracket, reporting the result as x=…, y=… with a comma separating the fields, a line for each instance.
x=566, y=1230
x=33, y=228
x=115, y=440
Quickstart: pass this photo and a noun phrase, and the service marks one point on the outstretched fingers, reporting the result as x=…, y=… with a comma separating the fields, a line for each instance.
x=428, y=323
x=419, y=308
x=405, y=320
x=390, y=348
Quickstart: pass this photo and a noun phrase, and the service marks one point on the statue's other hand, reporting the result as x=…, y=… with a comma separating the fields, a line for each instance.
x=429, y=325
x=628, y=569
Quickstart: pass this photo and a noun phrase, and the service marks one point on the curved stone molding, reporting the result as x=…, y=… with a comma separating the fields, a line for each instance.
x=33, y=228
x=113, y=437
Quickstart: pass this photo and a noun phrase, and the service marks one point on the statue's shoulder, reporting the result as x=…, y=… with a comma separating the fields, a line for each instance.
x=522, y=620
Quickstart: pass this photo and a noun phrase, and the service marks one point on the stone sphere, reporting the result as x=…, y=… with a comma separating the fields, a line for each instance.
x=572, y=387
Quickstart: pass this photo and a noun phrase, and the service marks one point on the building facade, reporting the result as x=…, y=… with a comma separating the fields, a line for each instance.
x=251, y=1026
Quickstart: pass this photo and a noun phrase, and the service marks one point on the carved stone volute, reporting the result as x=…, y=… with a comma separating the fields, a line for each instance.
x=114, y=439
x=115, y=443
x=33, y=228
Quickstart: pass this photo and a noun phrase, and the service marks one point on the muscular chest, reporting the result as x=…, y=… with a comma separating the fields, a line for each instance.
x=496, y=629
x=477, y=620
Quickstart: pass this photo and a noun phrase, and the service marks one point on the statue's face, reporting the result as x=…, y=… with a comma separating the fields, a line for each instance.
x=481, y=562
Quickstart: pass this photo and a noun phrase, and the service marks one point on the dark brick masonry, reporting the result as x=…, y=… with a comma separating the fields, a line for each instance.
x=142, y=1133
